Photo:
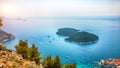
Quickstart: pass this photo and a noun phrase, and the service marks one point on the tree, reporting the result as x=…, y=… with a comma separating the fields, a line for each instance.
x=70, y=65
x=1, y=22
x=33, y=54
x=22, y=48
x=48, y=62
x=57, y=63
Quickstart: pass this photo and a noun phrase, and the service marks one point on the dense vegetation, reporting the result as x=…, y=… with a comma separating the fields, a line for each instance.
x=80, y=37
x=48, y=62
x=70, y=65
x=66, y=32
x=32, y=53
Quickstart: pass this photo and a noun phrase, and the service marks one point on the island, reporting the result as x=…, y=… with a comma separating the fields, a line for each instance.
x=77, y=36
x=4, y=36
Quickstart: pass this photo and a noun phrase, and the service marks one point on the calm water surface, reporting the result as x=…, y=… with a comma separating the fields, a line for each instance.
x=37, y=30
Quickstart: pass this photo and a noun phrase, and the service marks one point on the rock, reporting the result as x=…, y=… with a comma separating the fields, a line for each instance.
x=4, y=36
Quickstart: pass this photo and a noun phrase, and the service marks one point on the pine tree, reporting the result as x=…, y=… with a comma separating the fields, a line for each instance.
x=57, y=63
x=34, y=54
x=22, y=48
x=52, y=63
x=70, y=65
x=48, y=62
x=31, y=53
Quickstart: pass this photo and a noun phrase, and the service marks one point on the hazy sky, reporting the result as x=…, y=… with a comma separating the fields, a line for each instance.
x=48, y=8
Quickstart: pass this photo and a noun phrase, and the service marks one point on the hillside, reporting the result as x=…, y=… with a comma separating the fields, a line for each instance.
x=10, y=59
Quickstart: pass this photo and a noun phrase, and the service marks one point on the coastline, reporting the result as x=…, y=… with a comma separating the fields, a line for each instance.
x=82, y=43
x=5, y=36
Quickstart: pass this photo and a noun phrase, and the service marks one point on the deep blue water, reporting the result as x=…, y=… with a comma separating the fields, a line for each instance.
x=37, y=30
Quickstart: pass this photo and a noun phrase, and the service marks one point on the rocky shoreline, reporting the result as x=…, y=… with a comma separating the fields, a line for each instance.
x=4, y=36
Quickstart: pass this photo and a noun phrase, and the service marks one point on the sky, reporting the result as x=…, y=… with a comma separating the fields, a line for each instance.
x=59, y=8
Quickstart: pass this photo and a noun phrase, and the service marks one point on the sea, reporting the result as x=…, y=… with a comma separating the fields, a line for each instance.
x=42, y=32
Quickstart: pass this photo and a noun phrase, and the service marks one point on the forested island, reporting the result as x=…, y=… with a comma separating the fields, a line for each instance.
x=77, y=36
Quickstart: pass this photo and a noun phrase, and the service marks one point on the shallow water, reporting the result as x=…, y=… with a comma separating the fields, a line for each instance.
x=37, y=30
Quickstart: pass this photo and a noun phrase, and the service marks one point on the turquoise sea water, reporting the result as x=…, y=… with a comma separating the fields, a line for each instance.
x=37, y=30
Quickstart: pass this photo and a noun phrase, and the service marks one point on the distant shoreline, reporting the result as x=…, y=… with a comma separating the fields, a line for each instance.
x=5, y=37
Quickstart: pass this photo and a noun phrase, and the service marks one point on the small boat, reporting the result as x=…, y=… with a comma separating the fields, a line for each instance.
x=66, y=57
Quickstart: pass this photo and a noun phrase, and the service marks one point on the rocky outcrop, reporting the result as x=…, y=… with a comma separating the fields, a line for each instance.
x=4, y=36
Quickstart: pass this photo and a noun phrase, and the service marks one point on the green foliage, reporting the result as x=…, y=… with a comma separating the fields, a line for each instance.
x=74, y=35
x=57, y=63
x=22, y=48
x=70, y=65
x=31, y=53
x=52, y=63
x=34, y=54
x=48, y=62
x=66, y=32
